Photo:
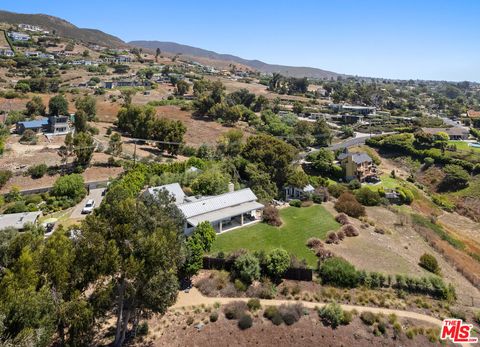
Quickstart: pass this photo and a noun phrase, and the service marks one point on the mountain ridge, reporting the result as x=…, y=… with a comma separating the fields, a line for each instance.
x=291, y=71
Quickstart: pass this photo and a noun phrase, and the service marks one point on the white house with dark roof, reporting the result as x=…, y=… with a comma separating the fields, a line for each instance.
x=224, y=212
x=18, y=220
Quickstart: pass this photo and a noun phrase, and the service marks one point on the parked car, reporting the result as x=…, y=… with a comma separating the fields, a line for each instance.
x=89, y=206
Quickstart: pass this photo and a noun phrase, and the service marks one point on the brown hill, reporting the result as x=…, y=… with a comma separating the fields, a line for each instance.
x=62, y=28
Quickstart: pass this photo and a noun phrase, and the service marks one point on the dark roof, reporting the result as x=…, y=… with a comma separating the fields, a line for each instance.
x=356, y=157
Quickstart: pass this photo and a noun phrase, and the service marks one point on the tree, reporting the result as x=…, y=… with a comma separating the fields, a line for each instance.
x=271, y=155
x=347, y=203
x=322, y=161
x=206, y=234
x=58, y=106
x=70, y=186
x=246, y=268
x=211, y=182
x=233, y=114
x=80, y=121
x=338, y=272
x=83, y=148
x=170, y=132
x=35, y=107
x=230, y=143
x=297, y=107
x=115, y=144
x=127, y=95
x=441, y=140
x=182, y=87
x=157, y=54
x=87, y=104
x=144, y=236
x=297, y=178
x=198, y=243
x=260, y=182
x=277, y=262
x=368, y=197
x=322, y=132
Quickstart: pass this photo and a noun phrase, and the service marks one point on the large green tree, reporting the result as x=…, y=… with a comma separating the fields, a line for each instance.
x=58, y=106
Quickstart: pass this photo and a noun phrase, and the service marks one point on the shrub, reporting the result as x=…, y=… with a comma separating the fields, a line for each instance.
x=455, y=177
x=71, y=186
x=342, y=218
x=295, y=203
x=37, y=171
x=354, y=184
x=368, y=197
x=5, y=175
x=332, y=315
x=317, y=198
x=347, y=203
x=341, y=235
x=239, y=285
x=290, y=313
x=428, y=162
x=271, y=216
x=142, y=329
x=29, y=136
x=337, y=189
x=247, y=268
x=235, y=309
x=314, y=242
x=332, y=237
x=245, y=322
x=338, y=272
x=350, y=230
x=277, y=262
x=254, y=304
x=213, y=316
x=368, y=317
x=323, y=254
x=190, y=320
x=272, y=313
x=347, y=317
x=379, y=230
x=429, y=263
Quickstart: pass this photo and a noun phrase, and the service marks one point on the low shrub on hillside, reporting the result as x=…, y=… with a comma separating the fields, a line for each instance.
x=333, y=315
x=342, y=218
x=235, y=309
x=245, y=321
x=350, y=230
x=295, y=203
x=314, y=242
x=271, y=216
x=347, y=203
x=429, y=263
x=37, y=171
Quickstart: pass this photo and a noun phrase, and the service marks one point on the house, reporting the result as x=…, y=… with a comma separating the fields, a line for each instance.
x=474, y=117
x=224, y=212
x=454, y=133
x=34, y=125
x=34, y=28
x=54, y=125
x=363, y=110
x=15, y=36
x=292, y=192
x=7, y=52
x=358, y=166
x=18, y=220
x=37, y=54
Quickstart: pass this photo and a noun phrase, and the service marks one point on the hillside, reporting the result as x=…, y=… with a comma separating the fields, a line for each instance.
x=62, y=28
x=292, y=71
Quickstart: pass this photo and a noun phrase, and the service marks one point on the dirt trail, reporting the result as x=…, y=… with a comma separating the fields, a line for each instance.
x=195, y=298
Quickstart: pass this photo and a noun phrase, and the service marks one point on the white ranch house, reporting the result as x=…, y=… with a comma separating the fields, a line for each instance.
x=224, y=212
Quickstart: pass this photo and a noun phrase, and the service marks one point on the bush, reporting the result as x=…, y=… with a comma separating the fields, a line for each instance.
x=342, y=218
x=295, y=203
x=213, y=316
x=317, y=198
x=347, y=203
x=368, y=197
x=254, y=305
x=245, y=322
x=271, y=216
x=239, y=285
x=29, y=136
x=142, y=329
x=247, y=268
x=428, y=162
x=368, y=317
x=5, y=175
x=190, y=320
x=455, y=177
x=341, y=235
x=338, y=272
x=429, y=263
x=37, y=171
x=354, y=184
x=71, y=186
x=290, y=313
x=314, y=242
x=337, y=189
x=235, y=309
x=332, y=315
x=332, y=237
x=277, y=262
x=350, y=230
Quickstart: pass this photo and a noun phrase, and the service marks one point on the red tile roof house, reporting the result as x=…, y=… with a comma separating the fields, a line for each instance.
x=474, y=117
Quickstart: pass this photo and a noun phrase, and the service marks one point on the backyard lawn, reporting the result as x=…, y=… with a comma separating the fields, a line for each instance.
x=299, y=224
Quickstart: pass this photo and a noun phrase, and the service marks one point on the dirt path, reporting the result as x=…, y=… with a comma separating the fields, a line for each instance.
x=195, y=298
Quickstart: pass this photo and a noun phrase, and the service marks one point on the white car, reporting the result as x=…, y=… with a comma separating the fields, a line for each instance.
x=89, y=206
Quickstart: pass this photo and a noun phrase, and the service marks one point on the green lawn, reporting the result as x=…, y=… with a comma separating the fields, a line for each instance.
x=463, y=146
x=299, y=224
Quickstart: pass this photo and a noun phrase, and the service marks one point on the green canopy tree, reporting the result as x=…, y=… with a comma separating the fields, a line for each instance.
x=58, y=106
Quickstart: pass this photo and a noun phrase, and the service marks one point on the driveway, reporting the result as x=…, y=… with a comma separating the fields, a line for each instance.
x=96, y=195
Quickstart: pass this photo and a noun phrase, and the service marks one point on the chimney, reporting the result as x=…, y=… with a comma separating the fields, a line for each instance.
x=231, y=187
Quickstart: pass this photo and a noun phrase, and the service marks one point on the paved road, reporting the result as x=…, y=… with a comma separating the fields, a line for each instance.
x=96, y=195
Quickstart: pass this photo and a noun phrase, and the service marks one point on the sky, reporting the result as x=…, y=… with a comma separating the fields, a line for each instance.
x=404, y=39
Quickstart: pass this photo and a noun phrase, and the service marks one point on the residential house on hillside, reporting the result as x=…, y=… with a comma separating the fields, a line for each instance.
x=53, y=125
x=363, y=110
x=34, y=28
x=15, y=36
x=474, y=118
x=224, y=212
x=18, y=221
x=6, y=52
x=37, y=54
x=454, y=133
x=358, y=166
x=292, y=192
